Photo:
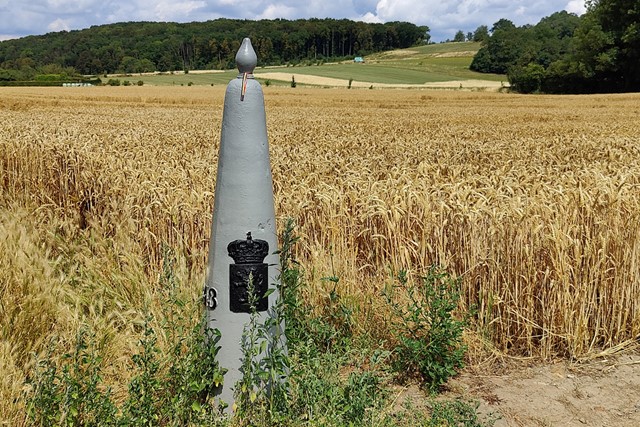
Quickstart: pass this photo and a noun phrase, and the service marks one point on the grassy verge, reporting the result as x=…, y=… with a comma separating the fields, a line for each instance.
x=336, y=377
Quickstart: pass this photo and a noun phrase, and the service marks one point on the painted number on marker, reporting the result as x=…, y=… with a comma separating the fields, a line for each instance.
x=210, y=298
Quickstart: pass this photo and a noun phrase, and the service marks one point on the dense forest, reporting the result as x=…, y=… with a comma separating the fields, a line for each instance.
x=151, y=46
x=564, y=53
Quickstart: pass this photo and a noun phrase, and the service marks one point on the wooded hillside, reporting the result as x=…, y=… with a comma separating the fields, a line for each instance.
x=152, y=46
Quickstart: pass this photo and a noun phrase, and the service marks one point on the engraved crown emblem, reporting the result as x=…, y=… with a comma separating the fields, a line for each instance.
x=248, y=251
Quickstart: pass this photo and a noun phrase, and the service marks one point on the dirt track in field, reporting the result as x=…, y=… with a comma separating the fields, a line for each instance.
x=329, y=81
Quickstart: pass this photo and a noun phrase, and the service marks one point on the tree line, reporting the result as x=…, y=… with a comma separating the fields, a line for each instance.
x=135, y=47
x=564, y=53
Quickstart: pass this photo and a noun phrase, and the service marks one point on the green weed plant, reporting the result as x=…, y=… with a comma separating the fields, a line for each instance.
x=324, y=376
x=428, y=334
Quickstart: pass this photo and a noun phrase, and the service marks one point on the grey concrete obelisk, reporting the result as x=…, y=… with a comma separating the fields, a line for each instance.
x=243, y=204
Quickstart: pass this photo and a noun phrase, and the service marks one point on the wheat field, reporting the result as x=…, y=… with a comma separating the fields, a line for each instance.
x=534, y=201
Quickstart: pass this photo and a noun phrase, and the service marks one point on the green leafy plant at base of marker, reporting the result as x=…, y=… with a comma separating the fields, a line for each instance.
x=320, y=347
x=262, y=391
x=429, y=336
x=262, y=394
x=330, y=376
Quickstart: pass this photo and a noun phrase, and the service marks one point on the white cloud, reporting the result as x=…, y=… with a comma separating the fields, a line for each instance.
x=172, y=10
x=576, y=6
x=277, y=11
x=59, y=25
x=66, y=6
x=369, y=17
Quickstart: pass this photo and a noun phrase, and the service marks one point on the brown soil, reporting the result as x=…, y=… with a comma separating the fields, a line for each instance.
x=603, y=392
x=466, y=53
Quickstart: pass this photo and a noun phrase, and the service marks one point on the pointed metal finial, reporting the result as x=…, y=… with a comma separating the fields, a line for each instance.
x=246, y=58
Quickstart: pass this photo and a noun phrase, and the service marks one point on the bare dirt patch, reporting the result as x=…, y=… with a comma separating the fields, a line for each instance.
x=465, y=53
x=598, y=393
x=396, y=53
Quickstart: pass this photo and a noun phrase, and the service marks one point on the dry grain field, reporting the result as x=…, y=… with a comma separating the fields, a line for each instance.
x=534, y=201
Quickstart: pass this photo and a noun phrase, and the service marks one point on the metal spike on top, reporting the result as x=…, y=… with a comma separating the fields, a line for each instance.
x=246, y=58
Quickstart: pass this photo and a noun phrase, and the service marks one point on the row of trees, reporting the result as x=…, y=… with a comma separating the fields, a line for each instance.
x=46, y=75
x=150, y=46
x=481, y=34
x=564, y=53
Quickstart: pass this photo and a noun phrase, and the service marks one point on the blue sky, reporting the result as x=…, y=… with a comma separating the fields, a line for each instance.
x=20, y=18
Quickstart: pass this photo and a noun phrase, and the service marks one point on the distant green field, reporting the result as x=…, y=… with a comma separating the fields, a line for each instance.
x=444, y=61
x=417, y=65
x=376, y=73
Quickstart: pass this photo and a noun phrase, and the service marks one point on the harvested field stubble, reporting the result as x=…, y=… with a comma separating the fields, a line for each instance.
x=533, y=200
